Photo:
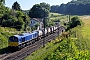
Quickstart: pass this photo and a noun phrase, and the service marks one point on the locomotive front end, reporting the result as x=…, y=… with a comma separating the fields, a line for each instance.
x=13, y=42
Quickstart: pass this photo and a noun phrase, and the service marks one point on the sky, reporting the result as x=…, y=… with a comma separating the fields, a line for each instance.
x=27, y=4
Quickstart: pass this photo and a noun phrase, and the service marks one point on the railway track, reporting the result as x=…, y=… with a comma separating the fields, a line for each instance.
x=20, y=55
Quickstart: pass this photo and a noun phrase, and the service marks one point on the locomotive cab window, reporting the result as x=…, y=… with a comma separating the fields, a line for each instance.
x=13, y=39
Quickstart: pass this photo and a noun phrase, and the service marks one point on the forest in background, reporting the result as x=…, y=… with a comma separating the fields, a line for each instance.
x=75, y=7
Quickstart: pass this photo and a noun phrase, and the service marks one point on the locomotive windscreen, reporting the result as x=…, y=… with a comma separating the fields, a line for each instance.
x=13, y=39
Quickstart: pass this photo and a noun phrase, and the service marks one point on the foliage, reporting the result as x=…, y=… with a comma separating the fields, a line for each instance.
x=75, y=21
x=2, y=1
x=76, y=47
x=68, y=51
x=26, y=11
x=15, y=19
x=3, y=10
x=73, y=48
x=39, y=11
x=5, y=33
x=85, y=31
x=77, y=7
x=51, y=23
x=43, y=52
x=12, y=18
x=45, y=5
x=16, y=6
x=56, y=16
x=35, y=27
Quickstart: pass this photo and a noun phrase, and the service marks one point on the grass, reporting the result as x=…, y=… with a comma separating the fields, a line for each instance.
x=63, y=18
x=57, y=16
x=42, y=53
x=86, y=30
x=77, y=48
x=5, y=33
x=86, y=27
x=83, y=33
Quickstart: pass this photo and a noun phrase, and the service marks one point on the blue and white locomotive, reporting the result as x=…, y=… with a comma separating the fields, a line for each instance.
x=19, y=41
x=24, y=39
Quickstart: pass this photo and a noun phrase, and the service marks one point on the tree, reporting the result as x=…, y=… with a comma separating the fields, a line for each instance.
x=37, y=11
x=16, y=6
x=78, y=7
x=35, y=26
x=75, y=21
x=15, y=19
x=12, y=18
x=51, y=23
x=24, y=18
x=9, y=23
x=19, y=23
x=2, y=1
x=44, y=5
